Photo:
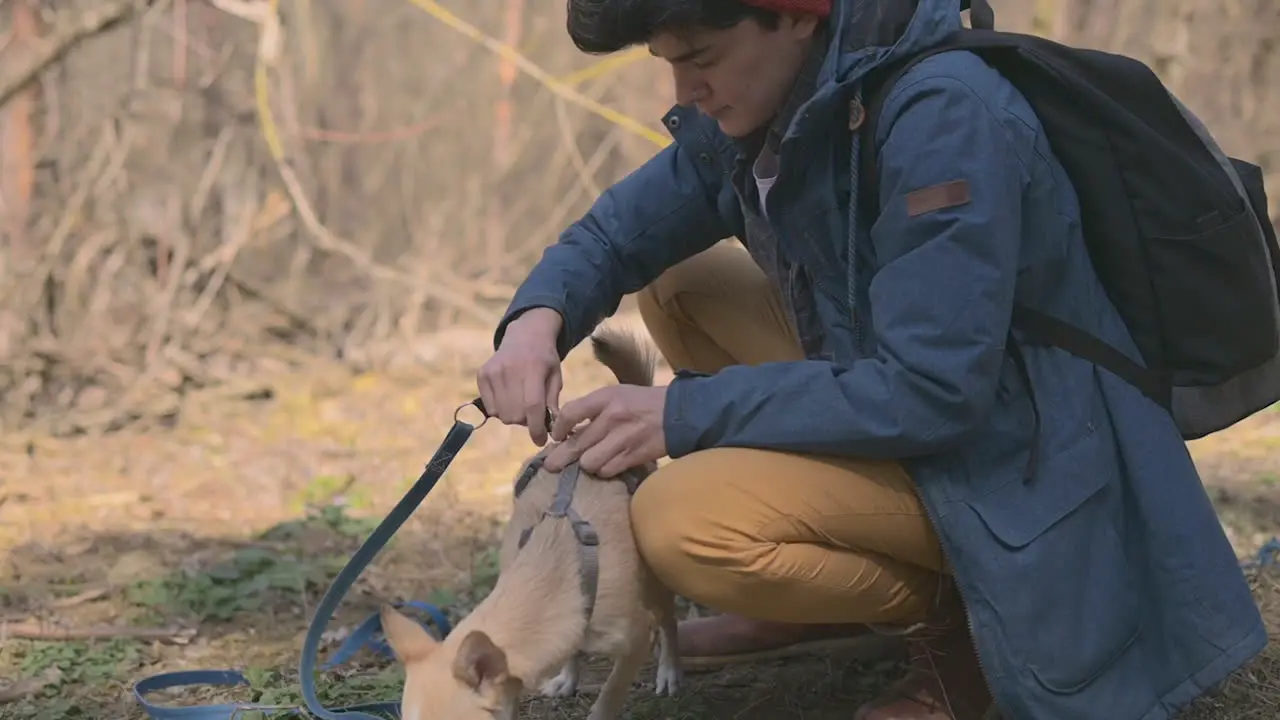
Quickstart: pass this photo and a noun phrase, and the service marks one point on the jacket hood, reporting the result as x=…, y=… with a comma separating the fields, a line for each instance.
x=867, y=33
x=863, y=34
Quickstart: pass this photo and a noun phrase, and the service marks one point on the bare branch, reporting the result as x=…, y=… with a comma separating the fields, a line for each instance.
x=36, y=630
x=66, y=34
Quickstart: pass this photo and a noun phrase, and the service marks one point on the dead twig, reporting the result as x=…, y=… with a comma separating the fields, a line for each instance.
x=27, y=687
x=63, y=603
x=145, y=402
x=326, y=240
x=264, y=15
x=36, y=630
x=67, y=33
x=17, y=144
x=79, y=598
x=242, y=237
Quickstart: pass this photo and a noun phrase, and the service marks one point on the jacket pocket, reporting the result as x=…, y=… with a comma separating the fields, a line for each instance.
x=1209, y=335
x=1067, y=604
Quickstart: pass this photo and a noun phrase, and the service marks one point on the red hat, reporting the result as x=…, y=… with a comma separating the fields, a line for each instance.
x=821, y=8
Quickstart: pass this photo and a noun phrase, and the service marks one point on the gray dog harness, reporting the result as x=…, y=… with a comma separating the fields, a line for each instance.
x=562, y=507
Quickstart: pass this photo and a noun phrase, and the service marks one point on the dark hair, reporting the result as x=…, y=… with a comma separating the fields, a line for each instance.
x=605, y=26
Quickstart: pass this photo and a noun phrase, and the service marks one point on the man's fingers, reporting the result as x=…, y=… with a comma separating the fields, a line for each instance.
x=509, y=389
x=560, y=457
x=571, y=450
x=587, y=407
x=535, y=409
x=605, y=455
x=497, y=387
x=618, y=464
x=486, y=394
x=554, y=386
x=547, y=409
x=536, y=422
x=566, y=453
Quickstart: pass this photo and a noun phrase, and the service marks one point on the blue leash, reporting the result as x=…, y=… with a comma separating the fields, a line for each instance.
x=366, y=636
x=1267, y=556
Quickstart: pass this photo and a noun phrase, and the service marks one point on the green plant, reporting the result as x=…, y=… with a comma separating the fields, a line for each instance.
x=246, y=582
x=274, y=688
x=255, y=577
x=329, y=518
x=336, y=519
x=79, y=662
x=332, y=490
x=62, y=667
x=484, y=573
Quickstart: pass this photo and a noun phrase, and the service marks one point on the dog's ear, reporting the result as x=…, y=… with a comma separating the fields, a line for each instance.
x=480, y=662
x=408, y=640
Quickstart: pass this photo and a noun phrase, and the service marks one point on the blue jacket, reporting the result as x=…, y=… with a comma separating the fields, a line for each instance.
x=1100, y=587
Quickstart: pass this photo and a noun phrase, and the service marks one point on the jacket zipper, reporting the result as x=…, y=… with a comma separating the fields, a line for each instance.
x=994, y=712
x=851, y=266
x=964, y=604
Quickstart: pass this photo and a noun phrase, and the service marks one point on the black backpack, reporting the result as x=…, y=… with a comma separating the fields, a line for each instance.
x=1177, y=231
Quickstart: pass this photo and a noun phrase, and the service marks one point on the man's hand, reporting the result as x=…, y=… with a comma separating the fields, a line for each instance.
x=623, y=431
x=522, y=380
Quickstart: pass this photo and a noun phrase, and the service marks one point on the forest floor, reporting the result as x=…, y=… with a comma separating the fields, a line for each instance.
x=208, y=543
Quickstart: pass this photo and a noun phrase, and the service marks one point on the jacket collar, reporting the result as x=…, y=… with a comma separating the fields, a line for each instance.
x=802, y=89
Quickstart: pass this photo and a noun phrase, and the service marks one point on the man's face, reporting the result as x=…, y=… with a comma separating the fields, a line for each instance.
x=740, y=76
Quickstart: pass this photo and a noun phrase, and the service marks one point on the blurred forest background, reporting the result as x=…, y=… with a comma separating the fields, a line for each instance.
x=155, y=247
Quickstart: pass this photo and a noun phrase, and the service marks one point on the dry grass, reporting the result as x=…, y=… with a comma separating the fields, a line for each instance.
x=1253, y=693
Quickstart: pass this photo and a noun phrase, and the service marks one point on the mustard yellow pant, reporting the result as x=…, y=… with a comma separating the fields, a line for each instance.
x=772, y=535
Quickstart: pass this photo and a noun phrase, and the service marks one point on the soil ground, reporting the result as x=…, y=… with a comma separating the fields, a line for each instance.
x=210, y=542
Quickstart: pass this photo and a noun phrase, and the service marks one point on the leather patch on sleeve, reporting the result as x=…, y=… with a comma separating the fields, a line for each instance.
x=937, y=197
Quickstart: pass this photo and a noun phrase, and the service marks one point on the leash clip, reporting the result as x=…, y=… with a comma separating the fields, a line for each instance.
x=478, y=404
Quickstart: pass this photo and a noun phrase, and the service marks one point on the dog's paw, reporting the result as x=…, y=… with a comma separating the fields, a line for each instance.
x=564, y=684
x=667, y=679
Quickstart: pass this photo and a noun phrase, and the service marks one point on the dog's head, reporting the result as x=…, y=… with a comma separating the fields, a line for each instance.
x=466, y=680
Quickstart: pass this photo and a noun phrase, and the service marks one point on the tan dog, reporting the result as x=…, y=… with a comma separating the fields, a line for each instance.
x=542, y=615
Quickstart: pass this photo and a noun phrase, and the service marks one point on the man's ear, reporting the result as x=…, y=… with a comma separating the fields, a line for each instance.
x=408, y=640
x=480, y=662
x=800, y=25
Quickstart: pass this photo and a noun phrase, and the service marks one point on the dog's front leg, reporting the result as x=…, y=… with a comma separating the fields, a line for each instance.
x=566, y=683
x=613, y=694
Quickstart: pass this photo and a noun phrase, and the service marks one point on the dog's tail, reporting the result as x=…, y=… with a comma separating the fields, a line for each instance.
x=630, y=359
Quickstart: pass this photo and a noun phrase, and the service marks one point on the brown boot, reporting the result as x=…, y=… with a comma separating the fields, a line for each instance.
x=944, y=680
x=726, y=639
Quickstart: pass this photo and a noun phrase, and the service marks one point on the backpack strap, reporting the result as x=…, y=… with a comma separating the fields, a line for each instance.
x=880, y=81
x=1048, y=330
x=981, y=15
x=875, y=90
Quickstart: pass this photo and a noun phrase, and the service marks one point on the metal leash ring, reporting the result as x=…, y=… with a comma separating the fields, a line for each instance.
x=478, y=404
